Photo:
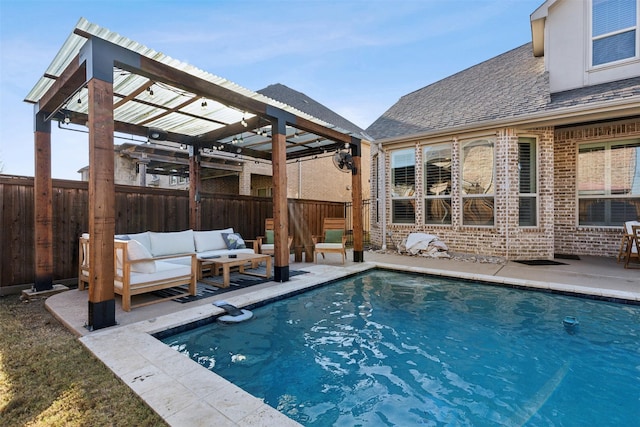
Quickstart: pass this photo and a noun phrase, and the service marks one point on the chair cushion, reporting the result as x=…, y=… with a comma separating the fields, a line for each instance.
x=629, y=226
x=234, y=241
x=269, y=237
x=320, y=246
x=333, y=236
x=210, y=240
x=171, y=243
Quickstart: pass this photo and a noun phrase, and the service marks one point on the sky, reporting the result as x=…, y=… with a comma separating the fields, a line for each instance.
x=356, y=57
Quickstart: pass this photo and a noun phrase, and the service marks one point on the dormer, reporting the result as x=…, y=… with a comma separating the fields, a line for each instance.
x=587, y=42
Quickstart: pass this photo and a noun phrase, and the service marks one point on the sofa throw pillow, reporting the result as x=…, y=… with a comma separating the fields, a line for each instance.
x=234, y=241
x=269, y=237
x=210, y=240
x=333, y=236
x=136, y=251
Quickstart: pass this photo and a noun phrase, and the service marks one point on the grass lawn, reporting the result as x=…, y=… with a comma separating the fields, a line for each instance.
x=47, y=378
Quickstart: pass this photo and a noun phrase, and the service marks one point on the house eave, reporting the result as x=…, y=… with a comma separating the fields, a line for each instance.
x=557, y=117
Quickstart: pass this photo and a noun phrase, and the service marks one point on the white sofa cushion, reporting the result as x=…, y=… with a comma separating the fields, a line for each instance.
x=136, y=251
x=210, y=240
x=142, y=238
x=164, y=271
x=171, y=243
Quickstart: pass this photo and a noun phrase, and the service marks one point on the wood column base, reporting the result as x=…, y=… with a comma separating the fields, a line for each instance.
x=102, y=314
x=281, y=274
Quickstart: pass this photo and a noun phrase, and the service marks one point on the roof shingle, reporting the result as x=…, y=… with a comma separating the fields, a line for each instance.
x=509, y=85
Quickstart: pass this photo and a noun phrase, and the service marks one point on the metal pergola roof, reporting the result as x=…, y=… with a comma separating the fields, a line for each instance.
x=209, y=112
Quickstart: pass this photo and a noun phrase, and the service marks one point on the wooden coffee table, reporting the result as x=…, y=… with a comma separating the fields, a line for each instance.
x=226, y=263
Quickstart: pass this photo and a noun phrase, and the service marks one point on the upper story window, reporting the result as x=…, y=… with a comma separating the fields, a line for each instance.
x=609, y=183
x=437, y=184
x=613, y=31
x=403, y=186
x=478, y=189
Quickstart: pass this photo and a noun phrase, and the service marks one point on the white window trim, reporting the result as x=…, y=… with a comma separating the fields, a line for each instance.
x=590, y=39
x=437, y=197
x=607, y=178
x=537, y=193
x=463, y=196
x=391, y=184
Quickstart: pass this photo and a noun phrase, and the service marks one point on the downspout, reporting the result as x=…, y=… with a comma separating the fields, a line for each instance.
x=300, y=179
x=382, y=194
x=508, y=191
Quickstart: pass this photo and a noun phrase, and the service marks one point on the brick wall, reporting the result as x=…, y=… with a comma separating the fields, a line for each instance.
x=557, y=231
x=569, y=237
x=505, y=238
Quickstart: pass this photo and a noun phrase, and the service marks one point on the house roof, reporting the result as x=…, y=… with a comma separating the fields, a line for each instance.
x=309, y=105
x=510, y=88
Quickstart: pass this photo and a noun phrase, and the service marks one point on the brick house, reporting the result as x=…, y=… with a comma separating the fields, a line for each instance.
x=166, y=164
x=530, y=154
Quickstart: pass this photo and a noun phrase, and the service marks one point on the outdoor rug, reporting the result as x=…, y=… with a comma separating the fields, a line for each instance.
x=206, y=290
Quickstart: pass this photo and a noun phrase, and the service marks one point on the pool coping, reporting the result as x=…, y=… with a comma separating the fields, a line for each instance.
x=183, y=392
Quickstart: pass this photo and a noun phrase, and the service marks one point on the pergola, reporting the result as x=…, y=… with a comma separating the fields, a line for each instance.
x=111, y=84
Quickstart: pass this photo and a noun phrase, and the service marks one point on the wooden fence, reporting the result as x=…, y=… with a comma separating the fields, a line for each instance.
x=137, y=209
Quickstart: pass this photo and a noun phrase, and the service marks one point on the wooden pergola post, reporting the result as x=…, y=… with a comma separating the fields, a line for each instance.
x=280, y=207
x=195, y=216
x=43, y=204
x=101, y=205
x=102, y=200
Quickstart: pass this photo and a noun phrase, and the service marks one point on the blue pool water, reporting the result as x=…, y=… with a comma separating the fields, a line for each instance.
x=386, y=348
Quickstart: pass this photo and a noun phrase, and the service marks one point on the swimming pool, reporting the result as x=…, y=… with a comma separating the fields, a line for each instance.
x=388, y=348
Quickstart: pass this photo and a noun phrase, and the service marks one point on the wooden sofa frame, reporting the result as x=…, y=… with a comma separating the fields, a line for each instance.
x=124, y=287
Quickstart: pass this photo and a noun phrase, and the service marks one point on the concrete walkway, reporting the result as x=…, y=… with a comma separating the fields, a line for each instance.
x=185, y=393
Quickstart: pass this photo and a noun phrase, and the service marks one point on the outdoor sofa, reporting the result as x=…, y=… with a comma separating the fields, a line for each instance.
x=151, y=261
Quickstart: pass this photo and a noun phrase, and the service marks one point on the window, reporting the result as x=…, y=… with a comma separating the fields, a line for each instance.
x=177, y=180
x=403, y=186
x=613, y=30
x=528, y=206
x=609, y=183
x=477, y=182
x=437, y=184
x=264, y=192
